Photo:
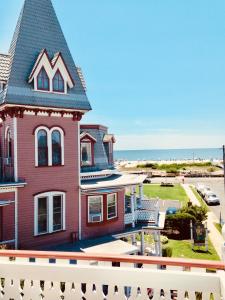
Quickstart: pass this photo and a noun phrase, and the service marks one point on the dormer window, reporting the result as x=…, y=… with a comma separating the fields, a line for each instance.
x=58, y=83
x=51, y=75
x=43, y=80
x=87, y=149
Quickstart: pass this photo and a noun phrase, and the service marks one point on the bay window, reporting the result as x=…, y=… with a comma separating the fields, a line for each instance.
x=95, y=209
x=111, y=206
x=49, y=212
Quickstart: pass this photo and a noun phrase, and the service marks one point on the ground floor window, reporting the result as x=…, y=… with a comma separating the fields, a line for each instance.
x=111, y=206
x=95, y=209
x=49, y=212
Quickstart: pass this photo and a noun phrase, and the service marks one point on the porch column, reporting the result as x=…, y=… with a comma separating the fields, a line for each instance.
x=135, y=198
x=132, y=206
x=142, y=242
x=159, y=243
x=141, y=195
x=16, y=218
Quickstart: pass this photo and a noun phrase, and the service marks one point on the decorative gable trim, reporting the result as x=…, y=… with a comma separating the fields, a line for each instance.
x=51, y=67
x=87, y=136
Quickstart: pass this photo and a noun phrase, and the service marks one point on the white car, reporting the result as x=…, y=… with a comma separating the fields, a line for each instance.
x=206, y=191
x=211, y=198
x=200, y=188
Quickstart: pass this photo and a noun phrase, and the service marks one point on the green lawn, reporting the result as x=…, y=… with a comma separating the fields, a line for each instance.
x=166, y=193
x=183, y=249
x=201, y=201
x=218, y=227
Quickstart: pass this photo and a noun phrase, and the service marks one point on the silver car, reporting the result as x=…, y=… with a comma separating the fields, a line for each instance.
x=211, y=198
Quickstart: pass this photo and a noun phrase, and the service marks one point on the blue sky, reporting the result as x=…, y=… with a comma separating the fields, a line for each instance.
x=155, y=70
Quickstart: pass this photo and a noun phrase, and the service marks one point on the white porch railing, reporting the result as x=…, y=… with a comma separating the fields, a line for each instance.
x=52, y=275
x=141, y=215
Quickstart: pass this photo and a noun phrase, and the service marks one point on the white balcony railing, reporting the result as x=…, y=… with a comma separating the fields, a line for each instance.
x=141, y=215
x=52, y=275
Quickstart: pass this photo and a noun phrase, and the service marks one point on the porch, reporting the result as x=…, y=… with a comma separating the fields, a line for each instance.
x=54, y=275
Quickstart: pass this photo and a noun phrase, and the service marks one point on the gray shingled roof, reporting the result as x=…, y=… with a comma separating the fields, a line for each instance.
x=101, y=159
x=38, y=28
x=4, y=67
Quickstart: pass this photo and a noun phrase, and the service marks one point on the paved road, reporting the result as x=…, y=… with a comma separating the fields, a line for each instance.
x=216, y=185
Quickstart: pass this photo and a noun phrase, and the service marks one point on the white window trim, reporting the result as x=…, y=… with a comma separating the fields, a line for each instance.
x=49, y=196
x=108, y=206
x=49, y=144
x=62, y=144
x=51, y=71
x=89, y=198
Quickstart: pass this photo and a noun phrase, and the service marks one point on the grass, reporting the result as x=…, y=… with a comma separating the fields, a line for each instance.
x=176, y=167
x=201, y=201
x=218, y=227
x=166, y=193
x=183, y=249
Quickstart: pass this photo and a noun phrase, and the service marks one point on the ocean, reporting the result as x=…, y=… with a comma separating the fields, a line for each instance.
x=169, y=154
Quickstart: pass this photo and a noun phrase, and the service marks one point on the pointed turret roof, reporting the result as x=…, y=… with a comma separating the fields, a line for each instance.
x=38, y=28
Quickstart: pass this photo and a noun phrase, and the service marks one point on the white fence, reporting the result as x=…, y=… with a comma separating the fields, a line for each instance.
x=93, y=277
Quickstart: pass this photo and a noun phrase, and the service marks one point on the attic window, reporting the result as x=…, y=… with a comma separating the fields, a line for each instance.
x=43, y=80
x=58, y=83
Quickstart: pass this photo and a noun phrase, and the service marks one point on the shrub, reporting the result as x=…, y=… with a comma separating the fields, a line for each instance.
x=164, y=239
x=178, y=225
x=198, y=212
x=167, y=251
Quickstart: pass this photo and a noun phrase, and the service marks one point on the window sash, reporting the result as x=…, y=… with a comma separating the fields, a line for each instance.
x=95, y=208
x=111, y=206
x=57, y=213
x=56, y=148
x=43, y=80
x=86, y=161
x=43, y=226
x=51, y=217
x=58, y=83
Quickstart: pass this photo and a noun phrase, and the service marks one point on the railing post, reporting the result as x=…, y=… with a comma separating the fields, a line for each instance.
x=142, y=242
x=132, y=206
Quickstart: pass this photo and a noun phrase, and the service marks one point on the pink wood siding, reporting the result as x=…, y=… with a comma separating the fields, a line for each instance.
x=6, y=169
x=8, y=220
x=42, y=179
x=106, y=227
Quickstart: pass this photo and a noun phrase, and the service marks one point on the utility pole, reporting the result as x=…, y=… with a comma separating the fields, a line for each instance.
x=224, y=166
x=223, y=174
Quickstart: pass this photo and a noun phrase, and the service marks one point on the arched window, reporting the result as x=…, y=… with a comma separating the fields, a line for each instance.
x=43, y=80
x=58, y=83
x=49, y=146
x=56, y=148
x=42, y=139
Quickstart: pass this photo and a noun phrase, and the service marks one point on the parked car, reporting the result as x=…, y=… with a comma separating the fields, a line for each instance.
x=205, y=191
x=212, y=198
x=200, y=187
x=171, y=210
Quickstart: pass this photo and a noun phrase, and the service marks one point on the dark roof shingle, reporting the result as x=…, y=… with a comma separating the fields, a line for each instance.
x=4, y=67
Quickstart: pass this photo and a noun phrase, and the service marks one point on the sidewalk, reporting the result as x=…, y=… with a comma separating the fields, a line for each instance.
x=214, y=235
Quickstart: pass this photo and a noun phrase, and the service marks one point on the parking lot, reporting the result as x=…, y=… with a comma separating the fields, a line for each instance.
x=215, y=184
